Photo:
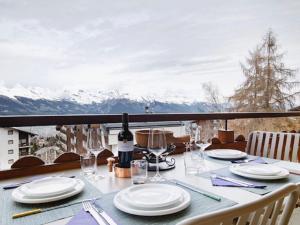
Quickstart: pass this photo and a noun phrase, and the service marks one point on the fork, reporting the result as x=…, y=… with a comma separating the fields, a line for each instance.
x=89, y=208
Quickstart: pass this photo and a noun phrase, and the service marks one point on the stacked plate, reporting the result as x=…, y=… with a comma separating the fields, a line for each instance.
x=47, y=189
x=226, y=154
x=260, y=171
x=152, y=199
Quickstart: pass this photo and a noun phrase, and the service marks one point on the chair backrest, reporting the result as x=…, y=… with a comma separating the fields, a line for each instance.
x=274, y=208
x=276, y=145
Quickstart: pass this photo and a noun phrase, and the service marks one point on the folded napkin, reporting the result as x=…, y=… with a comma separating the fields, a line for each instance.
x=217, y=181
x=82, y=218
x=256, y=160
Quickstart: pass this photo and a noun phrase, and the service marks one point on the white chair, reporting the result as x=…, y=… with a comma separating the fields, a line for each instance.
x=276, y=145
x=268, y=210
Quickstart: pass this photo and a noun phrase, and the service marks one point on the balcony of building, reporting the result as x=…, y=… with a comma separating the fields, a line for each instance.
x=72, y=143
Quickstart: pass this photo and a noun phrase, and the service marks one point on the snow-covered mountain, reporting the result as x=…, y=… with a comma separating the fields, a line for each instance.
x=83, y=96
x=80, y=96
x=19, y=100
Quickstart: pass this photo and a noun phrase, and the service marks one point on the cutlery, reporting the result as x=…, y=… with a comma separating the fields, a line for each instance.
x=243, y=160
x=87, y=206
x=198, y=191
x=293, y=171
x=35, y=211
x=105, y=216
x=239, y=182
x=15, y=185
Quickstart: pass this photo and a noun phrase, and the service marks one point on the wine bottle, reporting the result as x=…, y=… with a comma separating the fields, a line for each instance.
x=125, y=144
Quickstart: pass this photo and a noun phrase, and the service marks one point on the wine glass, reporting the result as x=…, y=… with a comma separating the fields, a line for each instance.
x=190, y=128
x=202, y=139
x=157, y=144
x=94, y=145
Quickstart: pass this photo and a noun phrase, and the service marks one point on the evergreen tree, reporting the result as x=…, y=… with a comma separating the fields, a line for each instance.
x=269, y=84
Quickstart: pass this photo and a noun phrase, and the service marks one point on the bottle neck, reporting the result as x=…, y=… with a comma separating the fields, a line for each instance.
x=125, y=126
x=125, y=122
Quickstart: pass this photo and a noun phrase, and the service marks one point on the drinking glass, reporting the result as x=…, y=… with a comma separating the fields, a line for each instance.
x=139, y=171
x=194, y=162
x=157, y=144
x=87, y=163
x=94, y=145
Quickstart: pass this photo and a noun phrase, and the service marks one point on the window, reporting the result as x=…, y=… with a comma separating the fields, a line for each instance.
x=10, y=142
x=10, y=151
x=23, y=152
x=10, y=132
x=10, y=161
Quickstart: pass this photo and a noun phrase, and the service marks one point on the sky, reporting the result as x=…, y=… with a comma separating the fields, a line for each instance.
x=140, y=47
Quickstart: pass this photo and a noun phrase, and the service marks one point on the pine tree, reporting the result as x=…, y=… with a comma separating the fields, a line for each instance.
x=249, y=96
x=269, y=84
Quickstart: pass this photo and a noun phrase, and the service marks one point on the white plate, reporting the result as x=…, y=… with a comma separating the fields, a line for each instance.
x=235, y=169
x=183, y=203
x=260, y=169
x=48, y=186
x=226, y=154
x=18, y=196
x=151, y=195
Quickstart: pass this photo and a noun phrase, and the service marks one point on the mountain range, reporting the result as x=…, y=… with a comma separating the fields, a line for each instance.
x=36, y=101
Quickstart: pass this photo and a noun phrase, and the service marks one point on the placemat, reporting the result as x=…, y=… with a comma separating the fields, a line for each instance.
x=199, y=204
x=8, y=207
x=271, y=184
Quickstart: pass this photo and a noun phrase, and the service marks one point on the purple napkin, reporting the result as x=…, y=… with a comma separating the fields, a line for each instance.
x=216, y=181
x=257, y=160
x=82, y=217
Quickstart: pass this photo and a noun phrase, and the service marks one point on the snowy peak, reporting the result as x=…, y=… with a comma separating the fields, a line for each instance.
x=80, y=96
x=84, y=96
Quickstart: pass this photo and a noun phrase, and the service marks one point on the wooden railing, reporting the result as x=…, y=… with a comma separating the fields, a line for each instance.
x=18, y=121
x=32, y=165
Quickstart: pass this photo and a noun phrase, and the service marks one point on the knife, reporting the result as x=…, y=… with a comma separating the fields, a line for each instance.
x=239, y=182
x=105, y=216
x=196, y=190
x=87, y=206
x=35, y=211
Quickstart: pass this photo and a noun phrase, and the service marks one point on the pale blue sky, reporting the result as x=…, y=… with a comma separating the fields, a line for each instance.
x=152, y=47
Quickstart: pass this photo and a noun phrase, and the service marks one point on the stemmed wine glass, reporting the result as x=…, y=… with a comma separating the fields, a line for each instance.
x=202, y=139
x=157, y=144
x=190, y=129
x=94, y=145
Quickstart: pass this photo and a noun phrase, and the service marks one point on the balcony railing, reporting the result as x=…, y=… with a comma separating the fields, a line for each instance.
x=18, y=121
x=69, y=161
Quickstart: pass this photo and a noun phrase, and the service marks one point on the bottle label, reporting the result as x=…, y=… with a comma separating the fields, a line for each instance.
x=125, y=146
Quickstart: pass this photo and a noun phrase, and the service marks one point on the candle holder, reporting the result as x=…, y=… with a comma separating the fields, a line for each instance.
x=114, y=167
x=165, y=161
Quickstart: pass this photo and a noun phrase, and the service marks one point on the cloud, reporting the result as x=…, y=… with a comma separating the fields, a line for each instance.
x=153, y=47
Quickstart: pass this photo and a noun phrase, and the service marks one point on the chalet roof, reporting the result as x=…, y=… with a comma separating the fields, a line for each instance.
x=24, y=130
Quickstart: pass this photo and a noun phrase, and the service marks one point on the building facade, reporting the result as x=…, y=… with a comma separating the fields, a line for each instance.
x=14, y=143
